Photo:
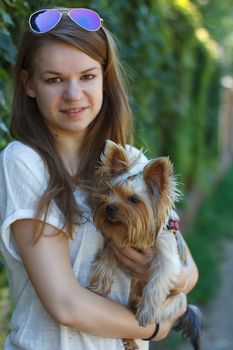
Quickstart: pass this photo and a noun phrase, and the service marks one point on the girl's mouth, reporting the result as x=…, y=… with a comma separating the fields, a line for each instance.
x=72, y=112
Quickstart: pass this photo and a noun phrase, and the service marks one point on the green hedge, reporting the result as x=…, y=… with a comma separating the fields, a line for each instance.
x=172, y=70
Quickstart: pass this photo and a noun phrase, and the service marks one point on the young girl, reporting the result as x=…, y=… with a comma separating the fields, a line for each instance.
x=69, y=98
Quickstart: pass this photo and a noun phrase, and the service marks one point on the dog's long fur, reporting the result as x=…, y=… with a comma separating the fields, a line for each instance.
x=132, y=206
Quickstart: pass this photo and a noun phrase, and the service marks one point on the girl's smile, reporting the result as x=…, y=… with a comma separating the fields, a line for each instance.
x=74, y=113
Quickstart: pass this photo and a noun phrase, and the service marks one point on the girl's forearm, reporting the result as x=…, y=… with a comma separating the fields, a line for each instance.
x=91, y=313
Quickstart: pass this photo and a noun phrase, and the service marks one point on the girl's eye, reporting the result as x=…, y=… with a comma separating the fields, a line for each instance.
x=54, y=80
x=87, y=77
x=133, y=199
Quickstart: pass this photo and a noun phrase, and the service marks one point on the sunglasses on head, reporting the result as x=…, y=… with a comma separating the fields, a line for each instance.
x=43, y=21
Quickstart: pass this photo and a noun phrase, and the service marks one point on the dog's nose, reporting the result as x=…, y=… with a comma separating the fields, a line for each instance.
x=111, y=209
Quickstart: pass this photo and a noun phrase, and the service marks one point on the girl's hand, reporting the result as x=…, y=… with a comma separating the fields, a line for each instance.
x=137, y=262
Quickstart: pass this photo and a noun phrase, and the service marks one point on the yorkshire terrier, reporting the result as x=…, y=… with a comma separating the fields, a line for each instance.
x=132, y=206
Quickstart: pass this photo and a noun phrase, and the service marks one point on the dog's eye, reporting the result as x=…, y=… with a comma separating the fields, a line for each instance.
x=133, y=199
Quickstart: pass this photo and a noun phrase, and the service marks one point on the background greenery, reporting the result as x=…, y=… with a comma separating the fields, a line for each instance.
x=175, y=53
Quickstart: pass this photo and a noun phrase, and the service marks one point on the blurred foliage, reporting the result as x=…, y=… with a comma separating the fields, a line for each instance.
x=217, y=19
x=172, y=69
x=216, y=16
x=213, y=225
x=214, y=218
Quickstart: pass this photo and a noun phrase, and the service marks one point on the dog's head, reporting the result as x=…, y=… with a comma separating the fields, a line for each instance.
x=133, y=199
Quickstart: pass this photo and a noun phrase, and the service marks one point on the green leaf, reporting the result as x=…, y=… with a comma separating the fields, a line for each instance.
x=6, y=17
x=2, y=100
x=3, y=127
x=7, y=46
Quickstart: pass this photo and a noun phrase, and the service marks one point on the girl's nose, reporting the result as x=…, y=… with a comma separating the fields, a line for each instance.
x=73, y=90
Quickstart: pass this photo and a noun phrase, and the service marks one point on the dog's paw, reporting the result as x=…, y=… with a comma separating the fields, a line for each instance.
x=146, y=314
x=143, y=319
x=130, y=344
x=100, y=286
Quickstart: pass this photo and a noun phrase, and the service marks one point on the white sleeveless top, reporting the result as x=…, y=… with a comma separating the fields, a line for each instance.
x=23, y=179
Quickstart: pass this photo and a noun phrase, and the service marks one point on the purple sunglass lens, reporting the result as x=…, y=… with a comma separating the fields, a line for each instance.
x=44, y=20
x=86, y=19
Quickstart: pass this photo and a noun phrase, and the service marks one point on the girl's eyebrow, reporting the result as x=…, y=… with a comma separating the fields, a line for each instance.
x=58, y=73
x=90, y=69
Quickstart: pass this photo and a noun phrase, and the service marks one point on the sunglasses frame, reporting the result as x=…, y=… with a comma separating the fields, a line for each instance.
x=61, y=12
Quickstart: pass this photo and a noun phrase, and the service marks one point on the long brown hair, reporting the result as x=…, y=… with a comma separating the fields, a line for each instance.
x=113, y=121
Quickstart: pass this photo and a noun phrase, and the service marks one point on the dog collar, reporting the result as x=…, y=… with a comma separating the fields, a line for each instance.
x=173, y=225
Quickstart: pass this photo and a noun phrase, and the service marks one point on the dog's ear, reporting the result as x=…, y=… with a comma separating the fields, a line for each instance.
x=114, y=159
x=159, y=177
x=158, y=174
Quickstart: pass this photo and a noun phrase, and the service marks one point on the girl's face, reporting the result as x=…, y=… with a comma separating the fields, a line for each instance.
x=68, y=87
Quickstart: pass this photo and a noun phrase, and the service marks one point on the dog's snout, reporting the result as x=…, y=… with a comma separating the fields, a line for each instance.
x=111, y=209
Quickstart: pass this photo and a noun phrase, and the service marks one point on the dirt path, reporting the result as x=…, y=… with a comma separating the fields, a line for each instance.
x=218, y=329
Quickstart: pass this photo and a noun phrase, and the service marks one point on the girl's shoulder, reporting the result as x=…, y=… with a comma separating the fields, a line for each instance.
x=19, y=159
x=17, y=150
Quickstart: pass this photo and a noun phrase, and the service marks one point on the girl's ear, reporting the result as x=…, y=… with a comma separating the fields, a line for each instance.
x=27, y=83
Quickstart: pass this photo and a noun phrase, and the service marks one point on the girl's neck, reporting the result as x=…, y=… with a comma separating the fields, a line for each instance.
x=69, y=150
